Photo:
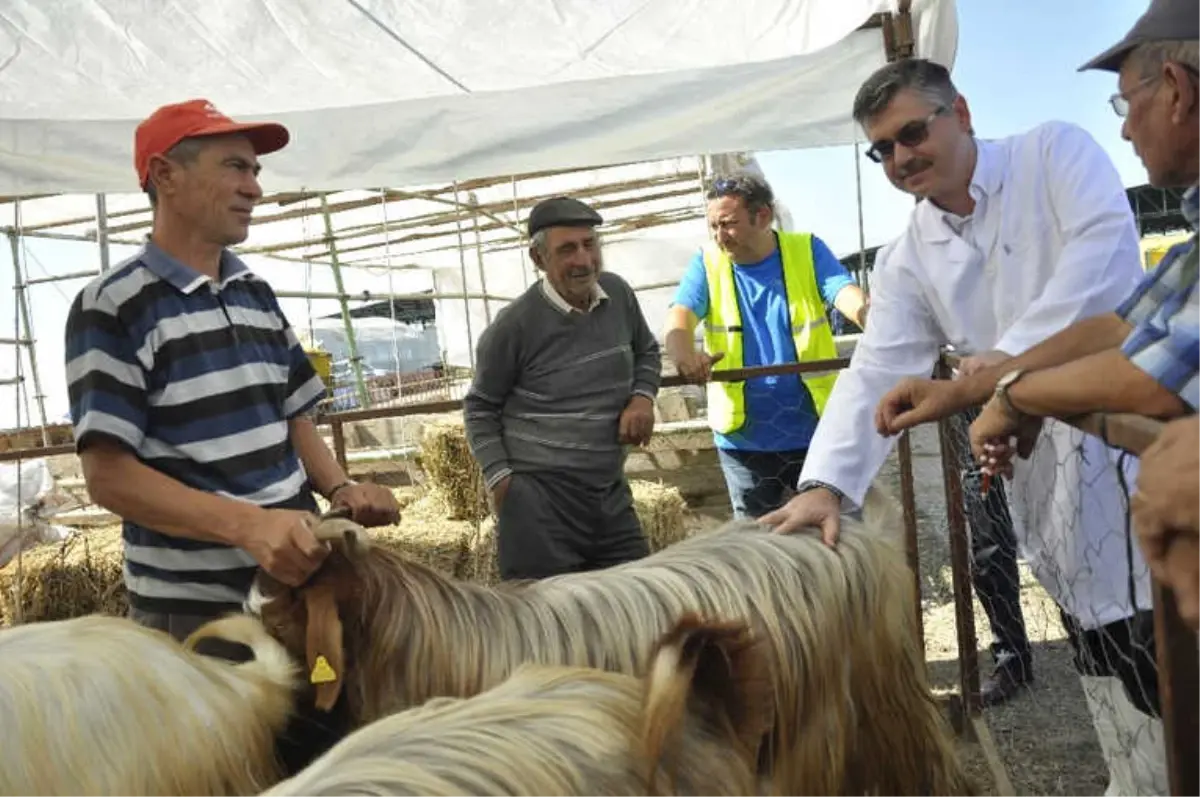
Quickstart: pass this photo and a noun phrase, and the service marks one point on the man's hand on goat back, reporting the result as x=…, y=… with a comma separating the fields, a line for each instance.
x=369, y=504
x=283, y=543
x=817, y=507
x=637, y=421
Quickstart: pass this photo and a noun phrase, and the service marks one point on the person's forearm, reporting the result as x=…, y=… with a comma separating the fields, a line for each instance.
x=1104, y=382
x=485, y=438
x=320, y=464
x=119, y=482
x=852, y=303
x=1079, y=340
x=679, y=343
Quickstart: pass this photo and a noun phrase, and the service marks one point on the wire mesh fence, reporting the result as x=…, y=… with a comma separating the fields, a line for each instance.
x=1063, y=603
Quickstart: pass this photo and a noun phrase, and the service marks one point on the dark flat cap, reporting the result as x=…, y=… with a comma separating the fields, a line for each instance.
x=1170, y=20
x=562, y=211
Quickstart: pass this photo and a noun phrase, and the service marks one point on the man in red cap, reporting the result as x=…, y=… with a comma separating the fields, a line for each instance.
x=190, y=393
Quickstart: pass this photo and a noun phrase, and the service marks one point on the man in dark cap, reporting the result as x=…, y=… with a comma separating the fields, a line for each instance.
x=565, y=378
x=1144, y=357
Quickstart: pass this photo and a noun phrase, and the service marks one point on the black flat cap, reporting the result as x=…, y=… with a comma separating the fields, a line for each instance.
x=562, y=211
x=1170, y=20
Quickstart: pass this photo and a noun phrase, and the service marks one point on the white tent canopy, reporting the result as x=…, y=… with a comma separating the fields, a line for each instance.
x=401, y=92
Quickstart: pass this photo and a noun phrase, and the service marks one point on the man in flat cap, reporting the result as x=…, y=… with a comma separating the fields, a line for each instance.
x=190, y=393
x=565, y=378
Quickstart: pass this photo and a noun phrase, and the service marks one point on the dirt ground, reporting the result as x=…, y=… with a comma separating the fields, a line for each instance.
x=1044, y=735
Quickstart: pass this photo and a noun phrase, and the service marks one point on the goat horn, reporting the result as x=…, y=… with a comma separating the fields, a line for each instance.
x=336, y=528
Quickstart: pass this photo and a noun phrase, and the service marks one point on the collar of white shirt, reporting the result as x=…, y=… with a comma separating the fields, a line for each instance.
x=561, y=304
x=986, y=181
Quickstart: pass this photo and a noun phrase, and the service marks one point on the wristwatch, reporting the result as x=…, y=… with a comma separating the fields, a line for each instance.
x=1001, y=392
x=814, y=484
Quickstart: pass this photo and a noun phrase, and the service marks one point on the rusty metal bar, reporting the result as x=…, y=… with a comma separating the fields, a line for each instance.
x=337, y=426
x=1177, y=686
x=960, y=564
x=908, y=501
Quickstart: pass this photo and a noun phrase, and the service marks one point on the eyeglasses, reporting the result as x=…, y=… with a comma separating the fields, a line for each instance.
x=1120, y=102
x=911, y=135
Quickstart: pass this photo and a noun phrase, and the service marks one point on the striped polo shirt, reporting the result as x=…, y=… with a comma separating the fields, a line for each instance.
x=199, y=379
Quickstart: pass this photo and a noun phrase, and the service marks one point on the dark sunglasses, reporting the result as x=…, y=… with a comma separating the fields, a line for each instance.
x=911, y=135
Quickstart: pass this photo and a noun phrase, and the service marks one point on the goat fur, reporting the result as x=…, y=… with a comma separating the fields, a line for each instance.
x=102, y=705
x=853, y=711
x=558, y=730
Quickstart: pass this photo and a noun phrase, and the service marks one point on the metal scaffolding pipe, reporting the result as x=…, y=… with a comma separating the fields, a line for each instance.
x=22, y=295
x=462, y=266
x=74, y=275
x=487, y=309
x=102, y=231
x=351, y=343
x=367, y=296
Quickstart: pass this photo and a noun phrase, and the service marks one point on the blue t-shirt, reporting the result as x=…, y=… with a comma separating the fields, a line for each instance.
x=780, y=414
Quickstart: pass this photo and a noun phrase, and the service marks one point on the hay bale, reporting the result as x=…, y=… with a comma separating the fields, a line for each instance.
x=82, y=574
x=452, y=470
x=426, y=534
x=661, y=511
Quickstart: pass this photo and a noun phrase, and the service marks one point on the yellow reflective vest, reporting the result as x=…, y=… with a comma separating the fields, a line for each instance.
x=723, y=327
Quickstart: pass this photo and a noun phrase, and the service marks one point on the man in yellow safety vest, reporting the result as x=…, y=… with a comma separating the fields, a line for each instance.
x=762, y=295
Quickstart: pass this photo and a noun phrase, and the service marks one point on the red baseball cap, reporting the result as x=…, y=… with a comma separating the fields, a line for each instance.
x=170, y=124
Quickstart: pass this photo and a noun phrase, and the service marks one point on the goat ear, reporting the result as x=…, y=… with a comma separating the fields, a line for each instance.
x=323, y=645
x=725, y=668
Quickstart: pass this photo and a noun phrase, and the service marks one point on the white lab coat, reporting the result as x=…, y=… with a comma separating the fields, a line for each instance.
x=1054, y=242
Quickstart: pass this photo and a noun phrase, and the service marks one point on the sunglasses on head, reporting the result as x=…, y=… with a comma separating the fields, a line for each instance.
x=911, y=135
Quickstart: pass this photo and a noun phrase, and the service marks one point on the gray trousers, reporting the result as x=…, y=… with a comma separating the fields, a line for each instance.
x=551, y=524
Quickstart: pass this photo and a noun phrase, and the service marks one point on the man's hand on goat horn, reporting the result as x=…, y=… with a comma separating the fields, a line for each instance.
x=335, y=527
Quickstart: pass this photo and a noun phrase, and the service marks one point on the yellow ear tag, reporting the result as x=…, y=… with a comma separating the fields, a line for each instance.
x=322, y=673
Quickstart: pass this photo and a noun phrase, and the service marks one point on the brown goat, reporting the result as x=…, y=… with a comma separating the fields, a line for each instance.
x=689, y=727
x=853, y=712
x=102, y=705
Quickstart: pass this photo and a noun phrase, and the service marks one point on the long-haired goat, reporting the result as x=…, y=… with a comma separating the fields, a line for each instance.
x=853, y=709
x=102, y=705
x=690, y=727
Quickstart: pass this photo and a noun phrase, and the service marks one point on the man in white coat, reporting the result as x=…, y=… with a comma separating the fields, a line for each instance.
x=1014, y=240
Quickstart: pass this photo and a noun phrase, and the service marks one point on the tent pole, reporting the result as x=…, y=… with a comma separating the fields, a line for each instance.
x=102, y=231
x=862, y=236
x=462, y=267
x=487, y=308
x=351, y=343
x=22, y=296
x=524, y=243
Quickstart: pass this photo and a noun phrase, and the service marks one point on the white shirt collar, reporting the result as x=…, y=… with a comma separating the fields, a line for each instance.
x=986, y=181
x=561, y=304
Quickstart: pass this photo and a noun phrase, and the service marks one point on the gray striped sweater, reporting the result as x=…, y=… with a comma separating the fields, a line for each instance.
x=550, y=385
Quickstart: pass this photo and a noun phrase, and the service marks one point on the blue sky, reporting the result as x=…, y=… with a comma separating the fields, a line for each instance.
x=1016, y=65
